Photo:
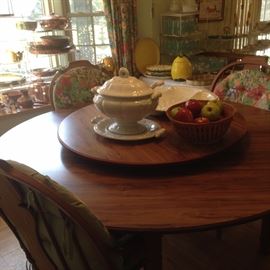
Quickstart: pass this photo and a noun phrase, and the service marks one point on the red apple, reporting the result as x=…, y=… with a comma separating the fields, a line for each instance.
x=184, y=115
x=194, y=106
x=201, y=120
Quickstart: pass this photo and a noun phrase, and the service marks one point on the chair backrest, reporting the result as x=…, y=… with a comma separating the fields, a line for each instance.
x=245, y=82
x=71, y=87
x=247, y=62
x=55, y=229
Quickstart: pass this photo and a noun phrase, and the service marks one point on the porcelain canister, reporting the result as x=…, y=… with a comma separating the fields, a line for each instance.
x=126, y=100
x=181, y=68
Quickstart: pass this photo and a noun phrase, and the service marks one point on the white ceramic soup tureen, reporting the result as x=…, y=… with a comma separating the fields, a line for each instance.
x=126, y=100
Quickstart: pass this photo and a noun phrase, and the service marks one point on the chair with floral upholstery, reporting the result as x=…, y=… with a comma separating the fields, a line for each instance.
x=71, y=87
x=56, y=230
x=245, y=82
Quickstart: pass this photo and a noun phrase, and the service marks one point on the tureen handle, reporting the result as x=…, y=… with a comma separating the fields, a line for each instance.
x=157, y=83
x=94, y=89
x=123, y=72
x=156, y=95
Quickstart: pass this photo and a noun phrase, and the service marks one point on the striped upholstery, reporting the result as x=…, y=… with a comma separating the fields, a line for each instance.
x=66, y=243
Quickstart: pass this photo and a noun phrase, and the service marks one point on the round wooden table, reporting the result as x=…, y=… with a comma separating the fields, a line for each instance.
x=229, y=187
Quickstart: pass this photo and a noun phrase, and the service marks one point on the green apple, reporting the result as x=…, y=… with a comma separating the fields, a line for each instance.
x=211, y=110
x=219, y=103
x=174, y=111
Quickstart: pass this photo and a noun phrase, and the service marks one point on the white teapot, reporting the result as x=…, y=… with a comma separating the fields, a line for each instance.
x=126, y=100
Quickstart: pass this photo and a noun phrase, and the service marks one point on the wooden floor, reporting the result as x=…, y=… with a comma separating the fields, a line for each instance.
x=11, y=256
x=237, y=250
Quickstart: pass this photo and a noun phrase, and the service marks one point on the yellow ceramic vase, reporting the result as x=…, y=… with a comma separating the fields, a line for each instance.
x=181, y=68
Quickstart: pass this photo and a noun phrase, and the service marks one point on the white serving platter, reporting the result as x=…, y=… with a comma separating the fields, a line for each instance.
x=176, y=94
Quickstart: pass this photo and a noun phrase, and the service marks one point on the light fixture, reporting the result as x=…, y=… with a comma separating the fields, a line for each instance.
x=6, y=8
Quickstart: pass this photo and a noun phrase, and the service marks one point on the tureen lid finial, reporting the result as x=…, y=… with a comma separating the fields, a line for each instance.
x=123, y=72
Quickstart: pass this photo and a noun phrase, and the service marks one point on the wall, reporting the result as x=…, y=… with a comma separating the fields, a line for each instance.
x=148, y=16
x=217, y=27
x=149, y=11
x=145, y=18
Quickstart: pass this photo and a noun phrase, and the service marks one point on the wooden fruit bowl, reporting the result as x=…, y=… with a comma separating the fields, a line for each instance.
x=203, y=133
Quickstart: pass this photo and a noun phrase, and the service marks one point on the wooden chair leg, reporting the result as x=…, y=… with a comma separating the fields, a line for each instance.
x=153, y=248
x=265, y=235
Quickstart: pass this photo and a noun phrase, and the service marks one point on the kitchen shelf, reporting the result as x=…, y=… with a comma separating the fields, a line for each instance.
x=180, y=35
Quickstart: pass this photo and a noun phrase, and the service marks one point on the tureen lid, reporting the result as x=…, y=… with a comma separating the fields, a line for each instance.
x=124, y=86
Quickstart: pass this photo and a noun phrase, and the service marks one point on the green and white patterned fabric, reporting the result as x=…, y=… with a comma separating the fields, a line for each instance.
x=249, y=87
x=77, y=247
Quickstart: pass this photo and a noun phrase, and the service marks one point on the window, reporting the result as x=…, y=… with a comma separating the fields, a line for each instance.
x=265, y=10
x=89, y=29
x=13, y=40
x=263, y=28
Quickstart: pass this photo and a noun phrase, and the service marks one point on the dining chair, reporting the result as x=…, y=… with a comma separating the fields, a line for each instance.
x=246, y=81
x=71, y=87
x=56, y=230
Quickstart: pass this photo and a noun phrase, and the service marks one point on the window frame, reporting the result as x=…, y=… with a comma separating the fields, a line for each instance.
x=66, y=11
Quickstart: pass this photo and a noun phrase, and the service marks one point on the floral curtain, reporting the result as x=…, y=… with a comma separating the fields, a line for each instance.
x=122, y=28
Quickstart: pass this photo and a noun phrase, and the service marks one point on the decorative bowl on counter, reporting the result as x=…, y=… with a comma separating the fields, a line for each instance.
x=26, y=25
x=53, y=22
x=38, y=47
x=55, y=41
x=202, y=132
x=126, y=100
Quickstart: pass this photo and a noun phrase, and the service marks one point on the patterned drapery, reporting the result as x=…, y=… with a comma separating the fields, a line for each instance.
x=122, y=28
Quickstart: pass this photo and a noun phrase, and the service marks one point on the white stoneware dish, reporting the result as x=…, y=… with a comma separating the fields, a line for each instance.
x=176, y=94
x=126, y=100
